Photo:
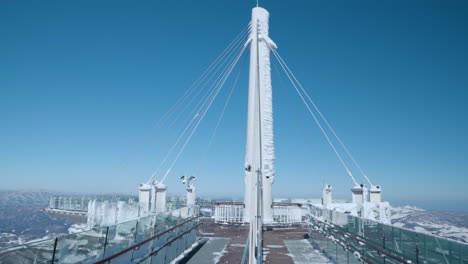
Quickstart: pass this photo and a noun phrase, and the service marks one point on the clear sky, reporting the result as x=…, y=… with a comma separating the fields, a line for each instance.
x=82, y=83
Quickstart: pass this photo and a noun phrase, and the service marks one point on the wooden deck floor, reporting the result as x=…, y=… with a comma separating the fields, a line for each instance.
x=274, y=246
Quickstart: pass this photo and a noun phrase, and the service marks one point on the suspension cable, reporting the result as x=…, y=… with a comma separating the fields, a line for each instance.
x=315, y=118
x=214, y=82
x=327, y=123
x=155, y=129
x=230, y=54
x=203, y=115
x=215, y=130
x=189, y=125
x=181, y=135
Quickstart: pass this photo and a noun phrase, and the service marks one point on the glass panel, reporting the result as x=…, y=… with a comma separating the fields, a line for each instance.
x=36, y=252
x=92, y=245
x=160, y=257
x=125, y=258
x=464, y=253
x=81, y=247
x=120, y=237
x=436, y=250
x=406, y=244
x=144, y=231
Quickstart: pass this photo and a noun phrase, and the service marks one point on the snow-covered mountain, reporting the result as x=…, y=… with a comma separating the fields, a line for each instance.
x=453, y=225
x=22, y=218
x=24, y=198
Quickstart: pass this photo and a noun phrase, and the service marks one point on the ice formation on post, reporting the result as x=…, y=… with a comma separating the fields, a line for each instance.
x=260, y=100
x=144, y=198
x=160, y=195
x=327, y=195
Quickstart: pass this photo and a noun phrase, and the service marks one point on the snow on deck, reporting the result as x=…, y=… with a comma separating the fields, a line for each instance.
x=280, y=245
x=211, y=252
x=302, y=252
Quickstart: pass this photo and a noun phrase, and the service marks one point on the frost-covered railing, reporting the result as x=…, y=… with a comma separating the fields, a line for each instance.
x=233, y=212
x=162, y=248
x=347, y=238
x=69, y=203
x=287, y=213
x=101, y=242
x=80, y=202
x=229, y=212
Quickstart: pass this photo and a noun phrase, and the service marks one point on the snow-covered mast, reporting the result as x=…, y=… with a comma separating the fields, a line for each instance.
x=260, y=155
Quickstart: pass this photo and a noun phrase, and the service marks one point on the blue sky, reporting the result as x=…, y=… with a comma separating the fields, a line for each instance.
x=82, y=83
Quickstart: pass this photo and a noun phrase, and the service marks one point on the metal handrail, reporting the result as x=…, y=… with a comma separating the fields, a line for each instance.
x=286, y=204
x=360, y=240
x=230, y=203
x=246, y=251
x=148, y=240
x=345, y=247
x=170, y=242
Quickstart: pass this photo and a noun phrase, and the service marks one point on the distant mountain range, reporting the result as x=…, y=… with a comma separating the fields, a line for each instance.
x=22, y=218
x=453, y=225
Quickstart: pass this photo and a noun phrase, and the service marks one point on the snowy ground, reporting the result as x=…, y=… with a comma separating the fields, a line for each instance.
x=302, y=252
x=211, y=252
x=452, y=225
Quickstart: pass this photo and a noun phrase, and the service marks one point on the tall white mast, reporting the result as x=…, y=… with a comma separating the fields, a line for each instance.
x=259, y=145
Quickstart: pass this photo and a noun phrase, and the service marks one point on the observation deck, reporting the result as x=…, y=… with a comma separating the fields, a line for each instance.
x=322, y=236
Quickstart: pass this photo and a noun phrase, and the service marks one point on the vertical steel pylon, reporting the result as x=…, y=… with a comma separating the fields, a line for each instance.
x=259, y=158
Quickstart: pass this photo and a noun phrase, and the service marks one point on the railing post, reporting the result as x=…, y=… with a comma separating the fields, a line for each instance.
x=165, y=253
x=383, y=244
x=55, y=250
x=425, y=248
x=105, y=243
x=417, y=254
x=401, y=245
x=135, y=234
x=186, y=238
x=336, y=252
x=177, y=240
x=460, y=253
x=154, y=233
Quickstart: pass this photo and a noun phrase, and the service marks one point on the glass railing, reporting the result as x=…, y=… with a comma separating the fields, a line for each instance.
x=98, y=243
x=348, y=239
x=160, y=248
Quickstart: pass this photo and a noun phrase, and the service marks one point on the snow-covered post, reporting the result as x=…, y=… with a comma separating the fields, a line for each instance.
x=91, y=221
x=52, y=202
x=144, y=198
x=191, y=196
x=358, y=194
x=327, y=195
x=375, y=194
x=190, y=181
x=160, y=190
